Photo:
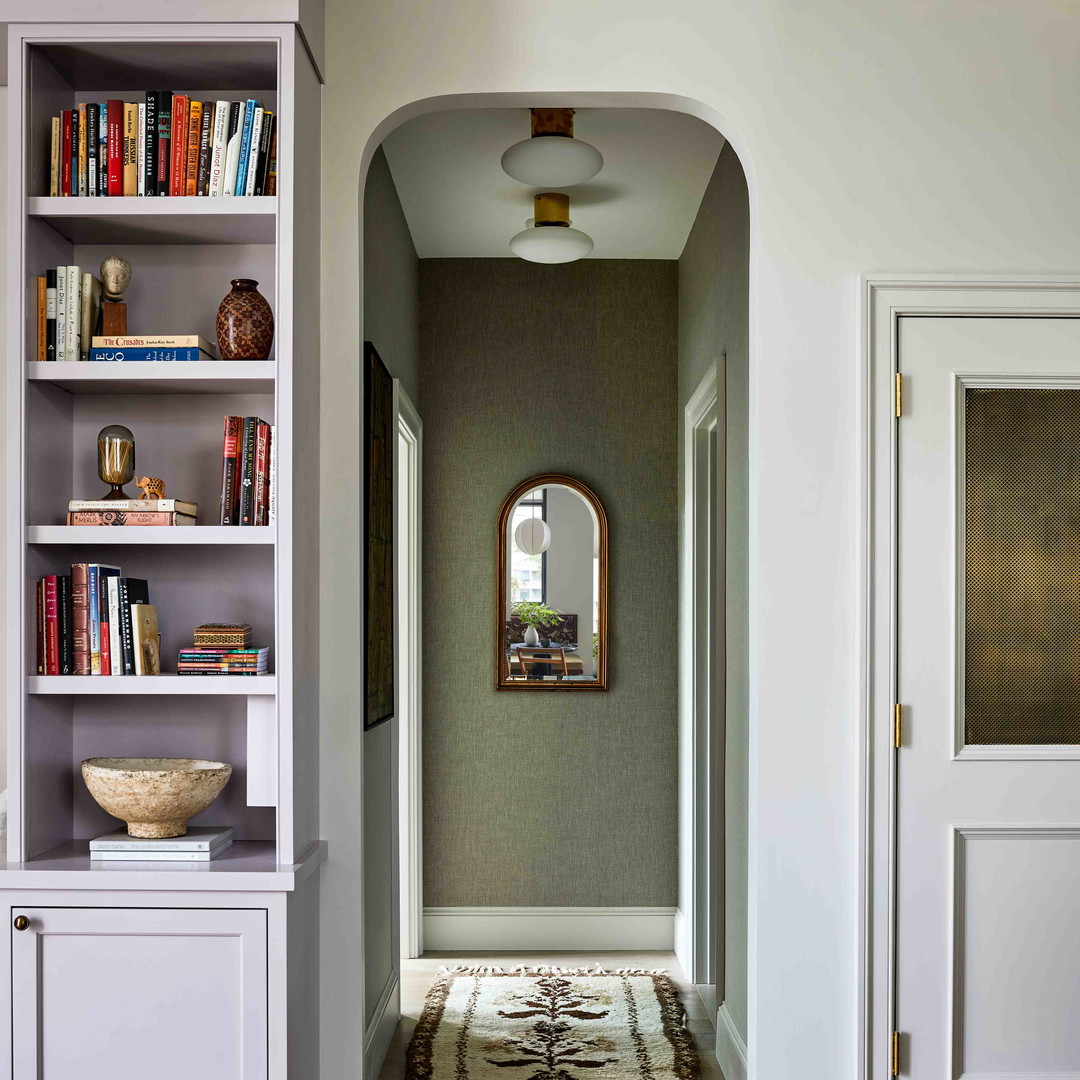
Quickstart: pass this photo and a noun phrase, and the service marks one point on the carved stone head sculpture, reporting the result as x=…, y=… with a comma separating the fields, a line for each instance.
x=115, y=277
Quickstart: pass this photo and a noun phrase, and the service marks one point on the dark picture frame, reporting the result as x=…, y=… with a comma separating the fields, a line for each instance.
x=378, y=540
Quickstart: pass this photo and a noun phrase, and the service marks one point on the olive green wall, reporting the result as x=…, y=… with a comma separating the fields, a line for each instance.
x=714, y=305
x=560, y=799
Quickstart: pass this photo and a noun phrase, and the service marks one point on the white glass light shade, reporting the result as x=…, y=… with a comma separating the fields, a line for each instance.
x=533, y=536
x=551, y=244
x=552, y=161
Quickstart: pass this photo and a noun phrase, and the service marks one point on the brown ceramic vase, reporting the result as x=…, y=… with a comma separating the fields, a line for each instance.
x=245, y=323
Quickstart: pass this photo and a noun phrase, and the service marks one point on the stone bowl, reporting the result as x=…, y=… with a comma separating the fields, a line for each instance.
x=156, y=797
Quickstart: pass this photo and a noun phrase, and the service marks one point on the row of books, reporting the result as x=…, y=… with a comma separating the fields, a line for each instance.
x=95, y=622
x=132, y=512
x=68, y=313
x=169, y=144
x=223, y=649
x=248, y=472
x=201, y=843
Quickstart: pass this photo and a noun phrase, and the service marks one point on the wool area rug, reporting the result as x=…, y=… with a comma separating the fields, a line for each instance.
x=552, y=1024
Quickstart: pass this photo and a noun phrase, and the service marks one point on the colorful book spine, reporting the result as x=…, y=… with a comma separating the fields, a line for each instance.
x=164, y=140
x=253, y=151
x=52, y=625
x=114, y=118
x=149, y=355
x=50, y=314
x=73, y=150
x=54, y=157
x=153, y=341
x=61, y=312
x=245, y=145
x=81, y=153
x=41, y=305
x=191, y=161
x=149, y=135
x=80, y=618
x=178, y=162
x=230, y=460
x=264, y=153
x=218, y=140
x=131, y=591
x=39, y=610
x=97, y=578
x=127, y=518
x=63, y=611
x=262, y=472
x=140, y=161
x=116, y=656
x=271, y=500
x=131, y=149
x=247, y=470
x=159, y=856
x=103, y=148
x=233, y=138
x=65, y=152
x=144, y=628
x=93, y=140
x=206, y=125
x=74, y=313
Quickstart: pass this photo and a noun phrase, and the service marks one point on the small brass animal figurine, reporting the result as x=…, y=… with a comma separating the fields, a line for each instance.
x=153, y=487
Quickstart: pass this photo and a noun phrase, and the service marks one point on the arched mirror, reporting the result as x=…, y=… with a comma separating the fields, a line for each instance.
x=552, y=587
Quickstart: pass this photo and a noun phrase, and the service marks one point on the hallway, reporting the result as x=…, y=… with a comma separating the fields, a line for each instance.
x=417, y=975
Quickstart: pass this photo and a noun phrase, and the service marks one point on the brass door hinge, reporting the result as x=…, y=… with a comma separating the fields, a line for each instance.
x=898, y=725
x=899, y=393
x=895, y=1064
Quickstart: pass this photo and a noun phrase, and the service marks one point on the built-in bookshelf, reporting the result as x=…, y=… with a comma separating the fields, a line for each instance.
x=184, y=251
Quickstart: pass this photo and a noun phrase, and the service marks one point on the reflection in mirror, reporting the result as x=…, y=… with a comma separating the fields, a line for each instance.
x=552, y=587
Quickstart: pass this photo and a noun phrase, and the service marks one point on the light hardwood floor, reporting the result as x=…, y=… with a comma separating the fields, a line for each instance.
x=417, y=975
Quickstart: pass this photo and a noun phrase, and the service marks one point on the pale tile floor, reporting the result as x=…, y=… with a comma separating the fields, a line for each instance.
x=417, y=975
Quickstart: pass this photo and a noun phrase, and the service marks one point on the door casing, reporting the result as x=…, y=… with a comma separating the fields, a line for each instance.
x=883, y=301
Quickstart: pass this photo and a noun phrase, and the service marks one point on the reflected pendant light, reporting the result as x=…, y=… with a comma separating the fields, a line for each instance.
x=547, y=237
x=552, y=157
x=533, y=536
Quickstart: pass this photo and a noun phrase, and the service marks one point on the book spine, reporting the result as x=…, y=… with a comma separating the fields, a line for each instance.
x=92, y=144
x=61, y=312
x=127, y=518
x=247, y=471
x=160, y=506
x=39, y=611
x=65, y=152
x=245, y=145
x=63, y=611
x=147, y=642
x=262, y=472
x=264, y=153
x=73, y=150
x=149, y=142
x=131, y=148
x=54, y=158
x=127, y=648
x=253, y=151
x=103, y=148
x=158, y=856
x=80, y=618
x=74, y=310
x=271, y=169
x=217, y=149
x=114, y=121
x=153, y=341
x=110, y=631
x=84, y=161
x=86, y=318
x=50, y=314
x=229, y=456
x=233, y=138
x=194, y=134
x=140, y=158
x=52, y=625
x=41, y=305
x=202, y=180
x=271, y=493
x=164, y=140
x=178, y=164
x=159, y=845
x=154, y=355
x=93, y=583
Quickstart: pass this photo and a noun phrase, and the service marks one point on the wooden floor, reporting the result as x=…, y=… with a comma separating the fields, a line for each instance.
x=417, y=975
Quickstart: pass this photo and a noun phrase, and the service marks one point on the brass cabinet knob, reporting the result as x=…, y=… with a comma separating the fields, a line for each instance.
x=21, y=922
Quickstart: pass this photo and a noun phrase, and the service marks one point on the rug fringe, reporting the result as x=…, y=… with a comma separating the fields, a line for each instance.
x=546, y=969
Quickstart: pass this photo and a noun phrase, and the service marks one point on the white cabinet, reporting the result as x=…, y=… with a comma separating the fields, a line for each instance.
x=127, y=993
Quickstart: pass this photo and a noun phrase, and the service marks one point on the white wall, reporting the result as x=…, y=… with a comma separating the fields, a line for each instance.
x=570, y=563
x=876, y=137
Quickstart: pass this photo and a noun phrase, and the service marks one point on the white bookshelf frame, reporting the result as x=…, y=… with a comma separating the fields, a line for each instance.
x=289, y=221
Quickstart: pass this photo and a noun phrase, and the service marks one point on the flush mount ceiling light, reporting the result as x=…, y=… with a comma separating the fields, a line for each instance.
x=552, y=157
x=548, y=237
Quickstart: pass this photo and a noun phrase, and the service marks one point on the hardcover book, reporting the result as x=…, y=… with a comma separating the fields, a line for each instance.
x=191, y=164
x=82, y=148
x=63, y=614
x=150, y=141
x=93, y=143
x=65, y=152
x=115, y=661
x=80, y=618
x=127, y=518
x=159, y=856
x=52, y=624
x=218, y=139
x=245, y=145
x=54, y=158
x=132, y=591
x=161, y=506
x=233, y=139
x=197, y=838
x=230, y=468
x=155, y=341
x=114, y=118
x=143, y=356
x=253, y=152
x=131, y=148
x=41, y=303
x=147, y=645
x=164, y=140
x=202, y=179
x=39, y=610
x=178, y=155
x=99, y=615
x=50, y=314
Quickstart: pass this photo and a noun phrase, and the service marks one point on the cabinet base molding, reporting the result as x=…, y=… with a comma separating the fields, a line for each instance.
x=380, y=1028
x=730, y=1047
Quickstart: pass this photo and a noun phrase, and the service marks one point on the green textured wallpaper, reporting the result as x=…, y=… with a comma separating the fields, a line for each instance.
x=549, y=799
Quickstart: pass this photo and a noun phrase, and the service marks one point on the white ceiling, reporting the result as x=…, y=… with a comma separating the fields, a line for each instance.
x=641, y=205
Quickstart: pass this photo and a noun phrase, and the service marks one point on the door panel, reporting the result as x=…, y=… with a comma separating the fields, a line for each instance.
x=988, y=781
x=128, y=993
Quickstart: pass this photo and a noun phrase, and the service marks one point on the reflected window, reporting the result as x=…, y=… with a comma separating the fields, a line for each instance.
x=528, y=573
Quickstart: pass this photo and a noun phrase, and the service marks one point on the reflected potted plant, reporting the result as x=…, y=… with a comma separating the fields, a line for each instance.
x=536, y=617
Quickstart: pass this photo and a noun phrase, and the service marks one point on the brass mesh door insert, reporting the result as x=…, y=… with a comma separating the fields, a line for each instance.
x=1022, y=567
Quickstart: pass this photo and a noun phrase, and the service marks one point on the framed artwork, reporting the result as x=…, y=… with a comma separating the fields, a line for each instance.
x=378, y=540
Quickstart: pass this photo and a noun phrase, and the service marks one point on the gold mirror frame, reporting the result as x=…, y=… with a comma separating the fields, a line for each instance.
x=502, y=671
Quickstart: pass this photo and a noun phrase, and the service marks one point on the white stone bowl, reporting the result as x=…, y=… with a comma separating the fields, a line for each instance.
x=155, y=797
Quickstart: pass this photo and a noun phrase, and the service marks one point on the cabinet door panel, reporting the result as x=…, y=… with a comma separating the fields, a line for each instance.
x=126, y=993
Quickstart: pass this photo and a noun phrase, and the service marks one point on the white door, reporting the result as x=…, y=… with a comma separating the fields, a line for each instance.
x=131, y=993
x=988, y=774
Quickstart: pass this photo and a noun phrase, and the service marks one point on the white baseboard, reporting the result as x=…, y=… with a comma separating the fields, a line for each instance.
x=730, y=1047
x=681, y=944
x=380, y=1029
x=548, y=929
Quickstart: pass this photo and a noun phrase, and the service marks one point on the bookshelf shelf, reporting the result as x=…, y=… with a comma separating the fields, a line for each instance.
x=152, y=536
x=187, y=685
x=249, y=219
x=197, y=377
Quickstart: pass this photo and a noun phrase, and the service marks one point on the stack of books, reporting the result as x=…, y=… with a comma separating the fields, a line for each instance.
x=223, y=649
x=95, y=622
x=201, y=844
x=168, y=144
x=132, y=512
x=152, y=348
x=68, y=310
x=248, y=472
